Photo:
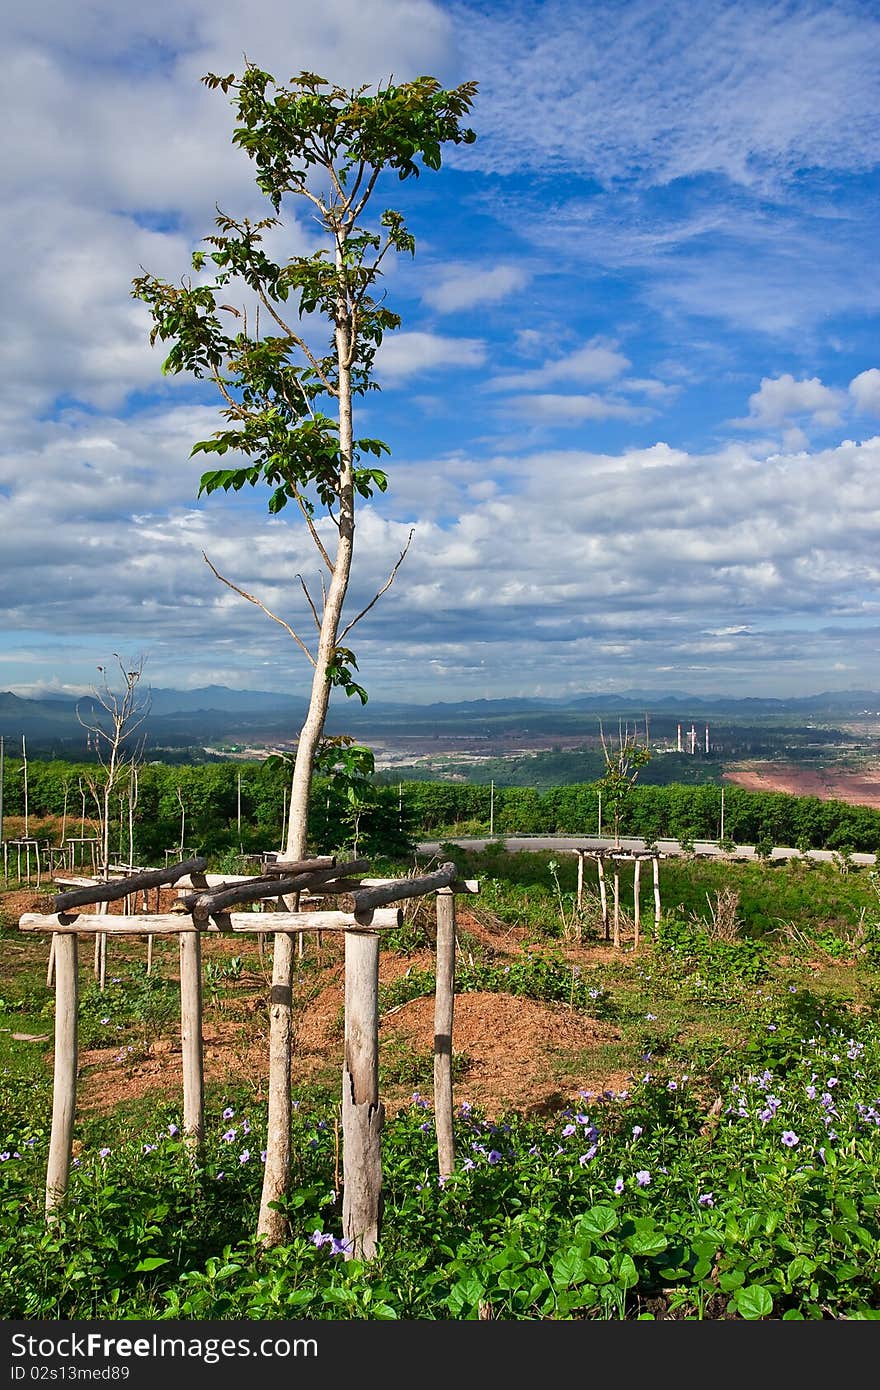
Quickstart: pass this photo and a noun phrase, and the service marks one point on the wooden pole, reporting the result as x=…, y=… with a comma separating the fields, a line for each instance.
x=637, y=869
x=580, y=881
x=64, y=1085
x=2, y=759
x=25, y=781
x=191, y=1037
x=362, y=1112
x=616, y=905
x=603, y=895
x=444, y=1003
x=50, y=969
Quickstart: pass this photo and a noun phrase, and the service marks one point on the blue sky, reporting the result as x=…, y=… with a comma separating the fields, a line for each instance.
x=634, y=406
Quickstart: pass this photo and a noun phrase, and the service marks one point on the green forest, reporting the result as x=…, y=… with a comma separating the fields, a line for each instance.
x=216, y=807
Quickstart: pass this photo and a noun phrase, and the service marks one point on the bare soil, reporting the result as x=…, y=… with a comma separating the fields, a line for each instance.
x=862, y=788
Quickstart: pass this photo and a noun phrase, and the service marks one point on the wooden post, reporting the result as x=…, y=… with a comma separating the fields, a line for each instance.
x=64, y=1085
x=637, y=869
x=616, y=905
x=444, y=1003
x=656, y=863
x=149, y=953
x=191, y=1037
x=580, y=881
x=50, y=969
x=362, y=1112
x=603, y=896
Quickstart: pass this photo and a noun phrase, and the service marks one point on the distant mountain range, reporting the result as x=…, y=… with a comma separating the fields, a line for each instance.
x=217, y=714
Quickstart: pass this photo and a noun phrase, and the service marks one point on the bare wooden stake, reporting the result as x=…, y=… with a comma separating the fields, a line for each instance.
x=191, y=1038
x=362, y=1112
x=656, y=863
x=64, y=1084
x=50, y=969
x=637, y=867
x=580, y=881
x=444, y=1003
x=603, y=895
x=150, y=953
x=616, y=906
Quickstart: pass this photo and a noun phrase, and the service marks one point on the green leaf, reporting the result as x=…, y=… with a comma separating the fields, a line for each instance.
x=753, y=1302
x=150, y=1263
x=598, y=1221
x=647, y=1243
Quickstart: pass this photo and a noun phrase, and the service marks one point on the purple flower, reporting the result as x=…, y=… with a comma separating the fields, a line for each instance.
x=568, y=1131
x=789, y=1138
x=244, y=1156
x=262, y=1155
x=643, y=1177
x=637, y=1130
x=149, y=1148
x=672, y=1085
x=103, y=1153
x=618, y=1186
x=590, y=1154
x=493, y=1156
x=228, y=1113
x=228, y=1136
x=5, y=1156
x=467, y=1164
x=173, y=1131
x=706, y=1199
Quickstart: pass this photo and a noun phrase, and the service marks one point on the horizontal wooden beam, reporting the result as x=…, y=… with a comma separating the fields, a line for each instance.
x=460, y=885
x=173, y=923
x=110, y=890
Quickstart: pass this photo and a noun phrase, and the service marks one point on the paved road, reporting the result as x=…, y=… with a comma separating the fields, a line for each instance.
x=567, y=844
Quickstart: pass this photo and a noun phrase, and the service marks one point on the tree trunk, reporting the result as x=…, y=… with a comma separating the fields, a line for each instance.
x=271, y=1224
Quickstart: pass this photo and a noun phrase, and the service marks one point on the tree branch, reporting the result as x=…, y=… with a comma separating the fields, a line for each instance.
x=309, y=601
x=387, y=585
x=251, y=598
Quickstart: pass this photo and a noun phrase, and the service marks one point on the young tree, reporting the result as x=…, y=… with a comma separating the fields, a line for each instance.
x=623, y=762
x=316, y=142
x=111, y=721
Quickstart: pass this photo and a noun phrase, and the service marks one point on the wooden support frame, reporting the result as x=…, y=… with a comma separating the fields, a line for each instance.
x=617, y=856
x=362, y=1110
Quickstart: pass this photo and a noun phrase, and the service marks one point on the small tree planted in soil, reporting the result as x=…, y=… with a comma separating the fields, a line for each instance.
x=288, y=407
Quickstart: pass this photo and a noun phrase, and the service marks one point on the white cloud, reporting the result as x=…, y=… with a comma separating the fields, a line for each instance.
x=407, y=354
x=464, y=286
x=865, y=391
x=572, y=410
x=596, y=361
x=779, y=399
x=665, y=92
